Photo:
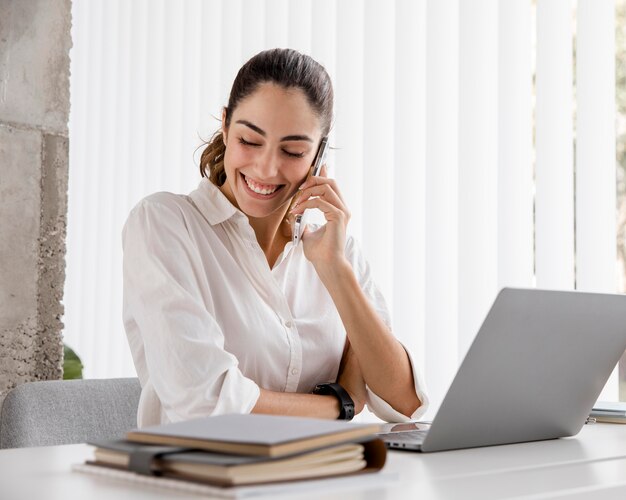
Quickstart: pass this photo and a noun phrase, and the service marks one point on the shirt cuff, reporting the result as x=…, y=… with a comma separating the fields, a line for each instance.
x=235, y=394
x=386, y=412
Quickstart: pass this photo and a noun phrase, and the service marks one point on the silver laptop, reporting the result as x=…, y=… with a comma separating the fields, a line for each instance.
x=533, y=372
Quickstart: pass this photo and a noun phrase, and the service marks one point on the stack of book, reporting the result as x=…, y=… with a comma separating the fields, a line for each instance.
x=611, y=412
x=234, y=450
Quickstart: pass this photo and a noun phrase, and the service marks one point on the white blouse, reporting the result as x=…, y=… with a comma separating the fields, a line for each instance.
x=208, y=321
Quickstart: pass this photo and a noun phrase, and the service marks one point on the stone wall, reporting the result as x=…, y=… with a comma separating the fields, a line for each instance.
x=34, y=108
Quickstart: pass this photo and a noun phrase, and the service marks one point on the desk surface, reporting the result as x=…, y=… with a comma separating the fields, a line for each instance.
x=590, y=465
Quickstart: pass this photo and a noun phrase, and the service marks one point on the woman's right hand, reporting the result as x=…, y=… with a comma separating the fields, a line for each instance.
x=351, y=378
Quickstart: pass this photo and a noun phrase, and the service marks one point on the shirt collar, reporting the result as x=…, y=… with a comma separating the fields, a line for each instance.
x=213, y=203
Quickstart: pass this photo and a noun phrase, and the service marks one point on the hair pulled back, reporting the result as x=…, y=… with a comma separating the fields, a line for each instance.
x=285, y=67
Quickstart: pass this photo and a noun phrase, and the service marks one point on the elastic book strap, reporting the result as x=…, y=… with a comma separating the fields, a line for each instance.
x=140, y=460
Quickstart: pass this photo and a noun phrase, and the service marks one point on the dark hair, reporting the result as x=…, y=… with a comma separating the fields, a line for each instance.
x=285, y=67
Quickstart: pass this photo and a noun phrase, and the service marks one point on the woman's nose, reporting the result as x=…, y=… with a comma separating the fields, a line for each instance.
x=268, y=165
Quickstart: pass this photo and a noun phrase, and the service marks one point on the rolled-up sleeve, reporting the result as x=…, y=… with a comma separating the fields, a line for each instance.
x=168, y=306
x=375, y=403
x=385, y=411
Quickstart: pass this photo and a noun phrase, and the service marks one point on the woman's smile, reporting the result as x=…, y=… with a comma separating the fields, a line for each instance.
x=260, y=191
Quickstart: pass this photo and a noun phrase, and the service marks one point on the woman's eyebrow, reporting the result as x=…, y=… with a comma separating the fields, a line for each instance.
x=297, y=138
x=262, y=132
x=252, y=126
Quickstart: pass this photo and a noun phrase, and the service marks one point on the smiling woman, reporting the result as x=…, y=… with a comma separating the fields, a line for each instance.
x=269, y=148
x=223, y=313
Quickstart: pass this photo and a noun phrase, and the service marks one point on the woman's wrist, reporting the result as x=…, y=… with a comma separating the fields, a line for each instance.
x=344, y=398
x=332, y=403
x=297, y=404
x=333, y=269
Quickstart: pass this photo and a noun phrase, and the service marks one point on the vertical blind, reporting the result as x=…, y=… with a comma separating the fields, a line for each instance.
x=461, y=173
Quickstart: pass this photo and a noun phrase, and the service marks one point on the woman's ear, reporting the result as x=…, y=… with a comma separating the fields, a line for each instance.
x=224, y=127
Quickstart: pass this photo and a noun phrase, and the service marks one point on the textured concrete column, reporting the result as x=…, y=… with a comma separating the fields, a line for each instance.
x=34, y=110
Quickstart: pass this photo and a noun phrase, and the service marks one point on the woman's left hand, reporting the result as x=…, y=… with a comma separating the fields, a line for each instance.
x=325, y=246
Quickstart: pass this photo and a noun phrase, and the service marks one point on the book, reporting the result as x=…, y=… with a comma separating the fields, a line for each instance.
x=226, y=470
x=611, y=412
x=254, y=434
x=347, y=484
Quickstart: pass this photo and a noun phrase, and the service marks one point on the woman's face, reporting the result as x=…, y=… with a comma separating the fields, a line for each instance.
x=270, y=144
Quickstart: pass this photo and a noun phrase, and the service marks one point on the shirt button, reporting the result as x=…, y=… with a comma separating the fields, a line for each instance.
x=294, y=371
x=288, y=324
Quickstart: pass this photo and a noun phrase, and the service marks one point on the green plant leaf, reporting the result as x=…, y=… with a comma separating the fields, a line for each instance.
x=72, y=366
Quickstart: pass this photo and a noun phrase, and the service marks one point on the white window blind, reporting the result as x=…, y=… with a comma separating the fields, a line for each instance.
x=554, y=173
x=440, y=236
x=595, y=180
x=596, y=256
x=434, y=127
x=515, y=146
x=477, y=165
x=409, y=183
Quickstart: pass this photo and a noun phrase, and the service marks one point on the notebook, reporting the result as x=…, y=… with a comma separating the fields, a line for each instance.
x=227, y=470
x=534, y=371
x=609, y=412
x=323, y=486
x=253, y=434
x=245, y=449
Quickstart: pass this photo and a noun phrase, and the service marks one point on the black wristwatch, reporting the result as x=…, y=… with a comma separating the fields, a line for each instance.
x=346, y=404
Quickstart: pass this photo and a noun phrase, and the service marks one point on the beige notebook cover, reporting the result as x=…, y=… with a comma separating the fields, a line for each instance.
x=231, y=470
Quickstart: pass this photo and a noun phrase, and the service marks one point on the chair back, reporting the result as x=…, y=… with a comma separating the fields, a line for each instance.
x=68, y=411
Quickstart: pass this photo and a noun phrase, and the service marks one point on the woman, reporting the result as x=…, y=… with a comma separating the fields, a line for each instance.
x=223, y=313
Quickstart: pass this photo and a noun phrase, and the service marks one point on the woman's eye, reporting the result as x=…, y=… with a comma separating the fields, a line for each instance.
x=293, y=155
x=256, y=145
x=246, y=143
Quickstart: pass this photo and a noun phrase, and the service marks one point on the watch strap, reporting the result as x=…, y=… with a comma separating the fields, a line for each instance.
x=346, y=405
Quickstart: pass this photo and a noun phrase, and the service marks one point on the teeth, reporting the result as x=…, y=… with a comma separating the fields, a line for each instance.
x=258, y=189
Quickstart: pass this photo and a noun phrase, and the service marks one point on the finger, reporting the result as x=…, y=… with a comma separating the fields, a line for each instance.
x=318, y=181
x=329, y=197
x=323, y=191
x=330, y=211
x=307, y=231
x=295, y=200
x=313, y=180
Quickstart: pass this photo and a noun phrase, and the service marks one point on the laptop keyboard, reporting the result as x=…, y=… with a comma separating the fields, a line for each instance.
x=408, y=437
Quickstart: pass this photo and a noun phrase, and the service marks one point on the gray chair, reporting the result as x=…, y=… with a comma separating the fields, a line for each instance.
x=68, y=411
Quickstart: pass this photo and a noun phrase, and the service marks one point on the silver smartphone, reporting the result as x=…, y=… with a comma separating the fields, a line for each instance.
x=320, y=157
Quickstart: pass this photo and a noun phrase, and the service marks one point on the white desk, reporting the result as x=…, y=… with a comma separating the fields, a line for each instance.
x=591, y=465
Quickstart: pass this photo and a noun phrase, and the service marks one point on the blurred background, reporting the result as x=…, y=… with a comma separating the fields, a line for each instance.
x=479, y=144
